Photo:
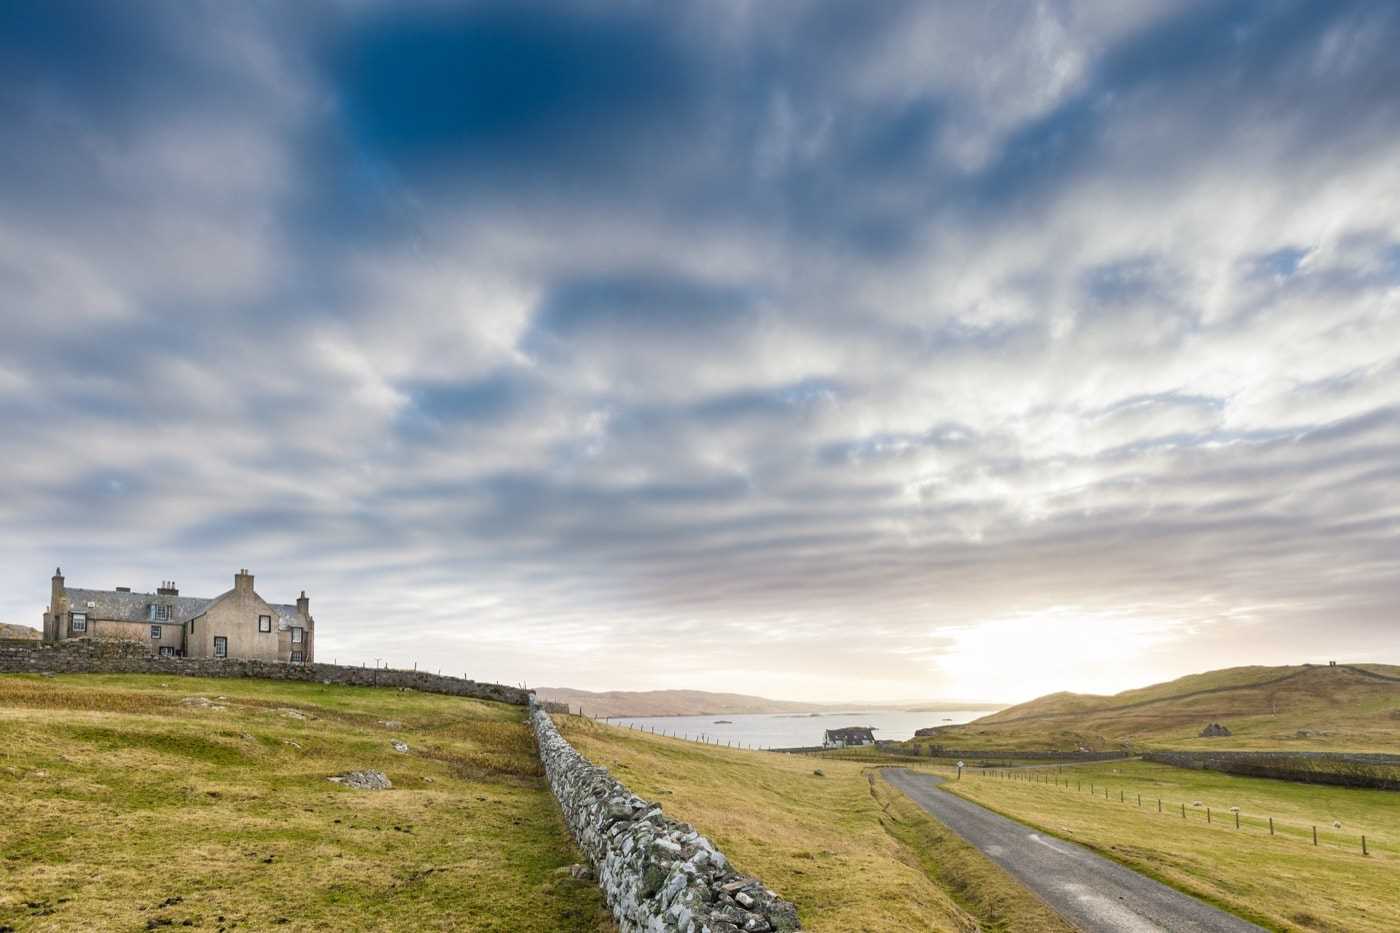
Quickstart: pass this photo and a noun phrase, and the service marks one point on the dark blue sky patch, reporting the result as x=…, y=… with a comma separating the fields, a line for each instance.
x=508, y=81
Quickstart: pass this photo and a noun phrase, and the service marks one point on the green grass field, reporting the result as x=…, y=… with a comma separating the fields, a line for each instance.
x=1280, y=881
x=126, y=805
x=851, y=852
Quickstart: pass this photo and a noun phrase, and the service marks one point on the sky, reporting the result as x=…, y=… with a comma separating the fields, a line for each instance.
x=818, y=350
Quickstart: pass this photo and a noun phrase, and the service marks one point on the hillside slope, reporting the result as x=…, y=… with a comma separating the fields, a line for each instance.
x=133, y=802
x=11, y=630
x=1356, y=707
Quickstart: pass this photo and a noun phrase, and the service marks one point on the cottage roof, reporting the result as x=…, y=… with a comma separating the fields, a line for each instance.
x=132, y=607
x=121, y=606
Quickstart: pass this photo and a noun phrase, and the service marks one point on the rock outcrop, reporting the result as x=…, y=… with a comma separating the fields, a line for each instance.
x=1214, y=730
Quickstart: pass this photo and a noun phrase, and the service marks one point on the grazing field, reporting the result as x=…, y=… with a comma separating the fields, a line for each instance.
x=851, y=852
x=1281, y=881
x=138, y=802
x=1304, y=708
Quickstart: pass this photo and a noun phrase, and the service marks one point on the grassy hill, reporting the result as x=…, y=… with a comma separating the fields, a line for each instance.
x=1354, y=707
x=10, y=630
x=138, y=802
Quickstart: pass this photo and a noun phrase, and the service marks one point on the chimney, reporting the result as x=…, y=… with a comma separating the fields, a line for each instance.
x=167, y=588
x=304, y=605
x=58, y=606
x=243, y=582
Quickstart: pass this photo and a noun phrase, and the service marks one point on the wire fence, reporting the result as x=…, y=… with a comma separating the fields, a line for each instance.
x=1201, y=813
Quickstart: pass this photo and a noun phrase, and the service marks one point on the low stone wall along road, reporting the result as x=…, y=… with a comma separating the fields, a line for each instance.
x=1093, y=893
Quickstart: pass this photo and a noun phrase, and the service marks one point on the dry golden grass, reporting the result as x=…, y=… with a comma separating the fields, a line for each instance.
x=1281, y=881
x=121, y=807
x=1350, y=708
x=852, y=854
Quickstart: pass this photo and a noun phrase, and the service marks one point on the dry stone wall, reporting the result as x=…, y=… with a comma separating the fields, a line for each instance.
x=120, y=656
x=659, y=875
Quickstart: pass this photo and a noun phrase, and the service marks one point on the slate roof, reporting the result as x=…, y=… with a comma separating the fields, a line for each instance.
x=131, y=607
x=851, y=734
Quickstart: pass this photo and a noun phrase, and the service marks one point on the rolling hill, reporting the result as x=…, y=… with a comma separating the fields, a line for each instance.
x=704, y=703
x=1351, y=706
x=11, y=630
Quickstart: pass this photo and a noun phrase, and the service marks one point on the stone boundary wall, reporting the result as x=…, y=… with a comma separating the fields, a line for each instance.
x=1340, y=769
x=657, y=874
x=119, y=656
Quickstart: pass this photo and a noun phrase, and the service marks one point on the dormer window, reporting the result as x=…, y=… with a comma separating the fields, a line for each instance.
x=163, y=612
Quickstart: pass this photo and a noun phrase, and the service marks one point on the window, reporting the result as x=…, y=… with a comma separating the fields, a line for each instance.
x=79, y=621
x=296, y=636
x=166, y=651
x=155, y=633
x=220, y=646
x=296, y=657
x=264, y=623
x=163, y=612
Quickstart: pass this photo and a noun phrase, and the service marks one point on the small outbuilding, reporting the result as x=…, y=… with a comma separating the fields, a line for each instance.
x=848, y=737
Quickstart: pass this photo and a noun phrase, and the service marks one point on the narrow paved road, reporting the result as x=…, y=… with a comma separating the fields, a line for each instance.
x=1093, y=893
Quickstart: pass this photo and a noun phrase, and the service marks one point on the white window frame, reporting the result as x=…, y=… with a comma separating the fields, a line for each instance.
x=155, y=633
x=163, y=612
x=297, y=635
x=166, y=651
x=220, y=642
x=264, y=624
x=297, y=657
x=77, y=621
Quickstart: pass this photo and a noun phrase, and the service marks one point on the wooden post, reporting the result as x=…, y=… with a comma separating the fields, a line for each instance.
x=1314, y=835
x=1120, y=796
x=1207, y=814
x=1237, y=819
x=1139, y=800
x=1363, y=845
x=1159, y=804
x=1271, y=826
x=1183, y=811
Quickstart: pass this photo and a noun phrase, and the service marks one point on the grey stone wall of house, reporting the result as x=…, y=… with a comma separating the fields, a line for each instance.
x=657, y=874
x=121, y=656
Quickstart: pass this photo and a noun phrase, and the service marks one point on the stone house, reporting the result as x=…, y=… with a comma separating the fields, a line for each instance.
x=845, y=738
x=235, y=624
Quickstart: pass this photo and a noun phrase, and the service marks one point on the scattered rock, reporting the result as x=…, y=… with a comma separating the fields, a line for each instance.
x=391, y=724
x=1214, y=730
x=363, y=780
x=201, y=703
x=400, y=747
x=292, y=713
x=819, y=773
x=581, y=872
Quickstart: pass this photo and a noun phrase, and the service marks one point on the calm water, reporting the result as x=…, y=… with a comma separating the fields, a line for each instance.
x=787, y=730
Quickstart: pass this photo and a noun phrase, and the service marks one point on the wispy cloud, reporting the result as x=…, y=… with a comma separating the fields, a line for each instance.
x=796, y=349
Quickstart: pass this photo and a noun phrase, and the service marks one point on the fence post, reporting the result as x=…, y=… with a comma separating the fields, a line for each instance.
x=1120, y=796
x=1237, y=819
x=1314, y=835
x=1139, y=800
x=1271, y=826
x=1183, y=811
x=1363, y=845
x=1159, y=804
x=1207, y=814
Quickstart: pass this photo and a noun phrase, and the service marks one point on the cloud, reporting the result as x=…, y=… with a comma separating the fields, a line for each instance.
x=651, y=346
